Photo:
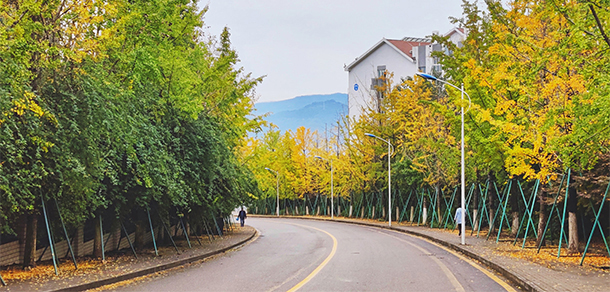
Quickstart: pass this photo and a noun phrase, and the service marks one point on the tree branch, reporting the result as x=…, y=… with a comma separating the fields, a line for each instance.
x=599, y=24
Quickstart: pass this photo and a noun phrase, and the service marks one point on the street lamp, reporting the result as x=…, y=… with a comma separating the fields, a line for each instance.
x=277, y=188
x=389, y=177
x=332, y=194
x=430, y=77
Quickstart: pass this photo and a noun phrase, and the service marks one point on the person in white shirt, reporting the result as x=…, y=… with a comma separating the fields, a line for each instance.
x=458, y=220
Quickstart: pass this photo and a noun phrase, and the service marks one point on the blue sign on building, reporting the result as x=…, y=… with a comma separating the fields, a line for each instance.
x=356, y=87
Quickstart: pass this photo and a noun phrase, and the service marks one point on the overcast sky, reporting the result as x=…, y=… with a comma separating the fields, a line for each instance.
x=302, y=45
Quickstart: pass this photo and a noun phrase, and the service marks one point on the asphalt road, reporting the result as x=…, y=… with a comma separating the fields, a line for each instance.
x=328, y=256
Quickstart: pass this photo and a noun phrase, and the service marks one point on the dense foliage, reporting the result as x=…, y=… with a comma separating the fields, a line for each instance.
x=119, y=105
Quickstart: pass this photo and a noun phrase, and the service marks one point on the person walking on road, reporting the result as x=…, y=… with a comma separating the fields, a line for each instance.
x=242, y=217
x=458, y=220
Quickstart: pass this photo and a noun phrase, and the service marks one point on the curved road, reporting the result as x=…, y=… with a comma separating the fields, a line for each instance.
x=309, y=255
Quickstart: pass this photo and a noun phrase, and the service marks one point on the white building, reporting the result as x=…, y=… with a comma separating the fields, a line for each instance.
x=403, y=58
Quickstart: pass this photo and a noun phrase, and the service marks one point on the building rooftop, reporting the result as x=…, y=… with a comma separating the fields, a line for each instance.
x=406, y=45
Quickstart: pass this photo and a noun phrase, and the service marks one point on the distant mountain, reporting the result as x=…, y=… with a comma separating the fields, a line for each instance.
x=298, y=102
x=311, y=111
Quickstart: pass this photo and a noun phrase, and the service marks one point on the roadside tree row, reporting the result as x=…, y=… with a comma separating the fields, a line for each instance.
x=118, y=105
x=538, y=77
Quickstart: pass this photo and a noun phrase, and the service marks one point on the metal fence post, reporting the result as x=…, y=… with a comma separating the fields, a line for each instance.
x=531, y=211
x=546, y=226
x=449, y=208
x=483, y=207
x=129, y=240
x=402, y=214
x=66, y=233
x=102, y=239
x=152, y=232
x=601, y=230
x=168, y=233
x=565, y=205
x=186, y=234
x=217, y=228
x=46, y=221
x=507, y=196
x=527, y=210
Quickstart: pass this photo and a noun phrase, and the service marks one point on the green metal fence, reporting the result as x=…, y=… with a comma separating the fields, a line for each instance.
x=489, y=206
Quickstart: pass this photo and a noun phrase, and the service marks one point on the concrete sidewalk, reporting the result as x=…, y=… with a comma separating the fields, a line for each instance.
x=126, y=267
x=525, y=274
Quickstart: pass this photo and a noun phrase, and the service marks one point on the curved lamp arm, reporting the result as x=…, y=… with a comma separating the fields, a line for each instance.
x=384, y=140
x=430, y=77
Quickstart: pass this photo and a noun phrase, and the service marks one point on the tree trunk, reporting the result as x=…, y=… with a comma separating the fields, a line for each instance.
x=412, y=214
x=116, y=236
x=475, y=209
x=397, y=215
x=515, y=225
x=97, y=238
x=491, y=220
x=29, y=254
x=491, y=201
x=475, y=213
x=514, y=202
x=425, y=212
x=542, y=217
x=572, y=222
x=22, y=227
x=141, y=226
x=573, y=234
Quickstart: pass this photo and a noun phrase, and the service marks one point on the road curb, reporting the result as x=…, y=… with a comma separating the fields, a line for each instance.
x=522, y=283
x=152, y=270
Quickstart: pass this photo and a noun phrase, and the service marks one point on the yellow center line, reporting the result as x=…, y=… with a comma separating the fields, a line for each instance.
x=475, y=265
x=322, y=265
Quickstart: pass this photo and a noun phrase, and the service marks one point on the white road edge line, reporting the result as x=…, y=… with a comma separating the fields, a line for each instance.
x=454, y=281
x=469, y=261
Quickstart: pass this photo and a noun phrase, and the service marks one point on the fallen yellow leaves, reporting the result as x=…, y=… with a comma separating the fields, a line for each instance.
x=548, y=255
x=596, y=258
x=91, y=269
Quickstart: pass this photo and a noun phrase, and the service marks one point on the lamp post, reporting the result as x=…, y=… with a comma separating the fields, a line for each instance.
x=332, y=194
x=463, y=213
x=389, y=178
x=277, y=188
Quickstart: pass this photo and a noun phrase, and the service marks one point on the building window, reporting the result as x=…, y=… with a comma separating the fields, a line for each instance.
x=436, y=66
x=380, y=80
x=378, y=83
x=381, y=72
x=421, y=58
